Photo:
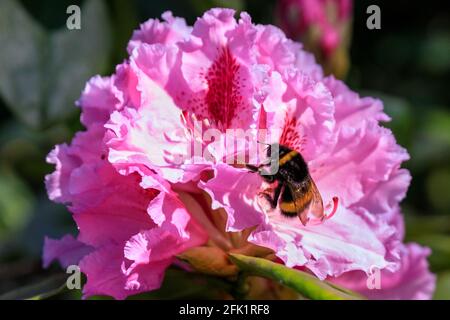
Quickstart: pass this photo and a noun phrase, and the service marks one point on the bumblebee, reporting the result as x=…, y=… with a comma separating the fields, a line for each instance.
x=295, y=192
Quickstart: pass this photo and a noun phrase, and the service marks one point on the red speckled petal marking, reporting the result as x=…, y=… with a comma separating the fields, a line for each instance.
x=223, y=98
x=290, y=137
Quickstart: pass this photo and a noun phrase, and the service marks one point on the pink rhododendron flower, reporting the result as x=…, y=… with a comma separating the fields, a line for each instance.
x=150, y=178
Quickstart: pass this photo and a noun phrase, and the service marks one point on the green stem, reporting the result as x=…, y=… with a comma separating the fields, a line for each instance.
x=302, y=282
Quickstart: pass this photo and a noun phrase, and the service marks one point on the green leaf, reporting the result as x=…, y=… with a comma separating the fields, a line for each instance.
x=21, y=61
x=435, y=53
x=75, y=56
x=302, y=282
x=417, y=225
x=38, y=291
x=438, y=184
x=437, y=125
x=442, y=286
x=201, y=6
x=431, y=138
x=16, y=203
x=42, y=73
x=440, y=249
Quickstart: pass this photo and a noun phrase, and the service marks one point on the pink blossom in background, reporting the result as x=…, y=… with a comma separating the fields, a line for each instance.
x=137, y=208
x=296, y=16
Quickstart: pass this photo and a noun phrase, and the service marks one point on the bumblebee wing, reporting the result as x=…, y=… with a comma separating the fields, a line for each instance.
x=316, y=205
x=307, y=200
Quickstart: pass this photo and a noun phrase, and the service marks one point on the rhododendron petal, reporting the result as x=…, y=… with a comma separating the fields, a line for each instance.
x=212, y=29
x=156, y=61
x=310, y=124
x=120, y=217
x=345, y=242
x=235, y=191
x=107, y=275
x=412, y=281
x=126, y=82
x=158, y=244
x=369, y=153
x=350, y=108
x=67, y=250
x=171, y=30
x=98, y=100
x=56, y=182
x=137, y=138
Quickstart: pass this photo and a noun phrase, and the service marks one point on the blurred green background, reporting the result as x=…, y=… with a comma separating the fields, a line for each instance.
x=44, y=66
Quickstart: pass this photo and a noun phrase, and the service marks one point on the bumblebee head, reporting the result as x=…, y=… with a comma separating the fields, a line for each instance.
x=282, y=150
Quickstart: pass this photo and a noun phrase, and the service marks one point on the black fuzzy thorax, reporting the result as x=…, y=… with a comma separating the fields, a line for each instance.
x=293, y=171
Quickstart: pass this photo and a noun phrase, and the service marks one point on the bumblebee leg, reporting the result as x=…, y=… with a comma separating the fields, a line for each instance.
x=252, y=167
x=276, y=195
x=273, y=200
x=267, y=178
